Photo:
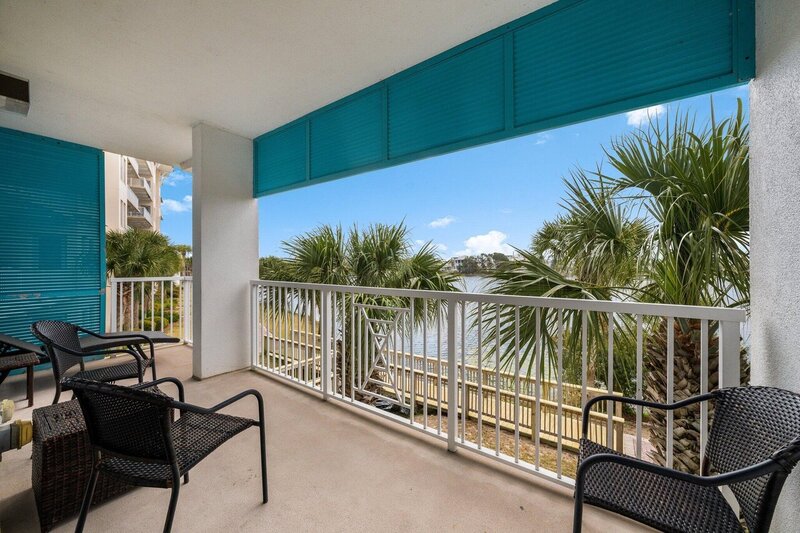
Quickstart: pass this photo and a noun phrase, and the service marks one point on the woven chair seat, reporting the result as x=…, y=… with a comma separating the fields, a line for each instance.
x=13, y=362
x=113, y=372
x=194, y=436
x=661, y=502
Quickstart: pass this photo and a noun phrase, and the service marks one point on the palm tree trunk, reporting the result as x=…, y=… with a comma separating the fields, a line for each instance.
x=686, y=421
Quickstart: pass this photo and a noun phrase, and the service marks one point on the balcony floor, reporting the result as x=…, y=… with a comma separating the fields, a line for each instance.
x=330, y=469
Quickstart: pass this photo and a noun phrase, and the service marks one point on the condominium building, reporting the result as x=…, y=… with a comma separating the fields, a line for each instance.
x=133, y=192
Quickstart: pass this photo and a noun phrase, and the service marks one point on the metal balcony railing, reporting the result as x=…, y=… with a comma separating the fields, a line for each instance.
x=431, y=361
x=152, y=304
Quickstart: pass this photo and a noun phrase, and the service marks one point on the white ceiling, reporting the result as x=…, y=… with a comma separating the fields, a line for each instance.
x=132, y=77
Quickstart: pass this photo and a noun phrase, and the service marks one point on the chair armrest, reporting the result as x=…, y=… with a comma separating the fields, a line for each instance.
x=145, y=338
x=633, y=401
x=208, y=410
x=737, y=476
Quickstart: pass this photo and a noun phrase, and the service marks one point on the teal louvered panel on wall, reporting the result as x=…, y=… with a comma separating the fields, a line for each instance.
x=348, y=136
x=456, y=99
x=570, y=61
x=281, y=160
x=52, y=233
x=638, y=51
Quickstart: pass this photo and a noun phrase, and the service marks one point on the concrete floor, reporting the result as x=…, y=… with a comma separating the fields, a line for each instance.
x=330, y=469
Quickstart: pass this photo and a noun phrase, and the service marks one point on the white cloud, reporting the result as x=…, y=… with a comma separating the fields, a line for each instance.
x=488, y=243
x=440, y=246
x=442, y=222
x=177, y=206
x=176, y=176
x=542, y=138
x=642, y=116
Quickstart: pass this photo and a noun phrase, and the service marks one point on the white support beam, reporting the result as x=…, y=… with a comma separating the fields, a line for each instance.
x=775, y=214
x=224, y=249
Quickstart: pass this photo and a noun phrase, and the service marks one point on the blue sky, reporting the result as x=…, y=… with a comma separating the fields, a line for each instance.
x=479, y=200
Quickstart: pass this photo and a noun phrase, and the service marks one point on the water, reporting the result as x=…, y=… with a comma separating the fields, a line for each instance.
x=437, y=340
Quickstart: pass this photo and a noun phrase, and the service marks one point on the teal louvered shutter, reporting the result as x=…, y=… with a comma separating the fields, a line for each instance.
x=571, y=61
x=52, y=233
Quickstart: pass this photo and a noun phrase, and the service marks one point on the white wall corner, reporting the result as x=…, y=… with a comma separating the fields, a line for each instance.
x=775, y=214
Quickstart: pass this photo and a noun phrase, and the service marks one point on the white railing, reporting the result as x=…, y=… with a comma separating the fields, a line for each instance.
x=431, y=361
x=151, y=304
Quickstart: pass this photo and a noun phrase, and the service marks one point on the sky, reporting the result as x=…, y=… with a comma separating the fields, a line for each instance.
x=479, y=200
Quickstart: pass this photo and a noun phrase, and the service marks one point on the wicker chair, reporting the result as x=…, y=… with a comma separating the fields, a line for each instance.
x=753, y=445
x=136, y=438
x=63, y=346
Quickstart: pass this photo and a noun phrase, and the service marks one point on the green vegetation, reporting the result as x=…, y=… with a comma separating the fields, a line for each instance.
x=671, y=225
x=480, y=264
x=380, y=256
x=141, y=253
x=138, y=253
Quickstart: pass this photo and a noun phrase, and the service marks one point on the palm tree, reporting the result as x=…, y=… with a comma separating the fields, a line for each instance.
x=380, y=256
x=138, y=253
x=689, y=246
x=185, y=250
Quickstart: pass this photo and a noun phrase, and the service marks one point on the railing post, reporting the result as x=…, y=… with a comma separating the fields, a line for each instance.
x=185, y=290
x=114, y=304
x=729, y=360
x=452, y=376
x=326, y=313
x=254, y=329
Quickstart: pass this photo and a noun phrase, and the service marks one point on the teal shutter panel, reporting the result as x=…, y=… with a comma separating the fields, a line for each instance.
x=52, y=233
x=567, y=64
x=349, y=136
x=570, y=61
x=281, y=158
x=459, y=98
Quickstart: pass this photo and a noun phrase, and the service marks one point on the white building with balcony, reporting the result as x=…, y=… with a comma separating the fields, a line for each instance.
x=133, y=192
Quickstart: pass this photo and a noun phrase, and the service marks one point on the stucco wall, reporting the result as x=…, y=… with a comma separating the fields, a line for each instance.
x=224, y=249
x=775, y=213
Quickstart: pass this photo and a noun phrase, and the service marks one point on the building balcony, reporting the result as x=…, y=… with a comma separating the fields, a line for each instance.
x=140, y=218
x=329, y=469
x=141, y=188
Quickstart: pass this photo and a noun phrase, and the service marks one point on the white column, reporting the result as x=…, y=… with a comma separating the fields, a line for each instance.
x=775, y=214
x=224, y=249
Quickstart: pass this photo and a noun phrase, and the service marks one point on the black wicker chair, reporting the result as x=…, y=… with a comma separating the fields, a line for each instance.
x=62, y=343
x=136, y=438
x=753, y=445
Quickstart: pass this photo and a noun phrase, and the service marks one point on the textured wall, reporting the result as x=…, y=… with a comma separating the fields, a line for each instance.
x=224, y=249
x=775, y=212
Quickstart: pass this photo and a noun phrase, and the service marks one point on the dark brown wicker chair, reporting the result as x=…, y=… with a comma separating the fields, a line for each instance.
x=137, y=439
x=753, y=445
x=62, y=342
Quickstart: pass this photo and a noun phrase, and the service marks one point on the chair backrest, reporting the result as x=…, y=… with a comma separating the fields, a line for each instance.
x=55, y=333
x=124, y=421
x=752, y=425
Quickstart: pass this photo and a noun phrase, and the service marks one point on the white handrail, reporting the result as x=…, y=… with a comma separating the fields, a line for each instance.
x=633, y=308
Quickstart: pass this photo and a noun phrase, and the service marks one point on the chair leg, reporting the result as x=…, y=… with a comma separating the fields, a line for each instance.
x=173, y=502
x=58, y=392
x=263, y=461
x=577, y=516
x=87, y=500
x=29, y=383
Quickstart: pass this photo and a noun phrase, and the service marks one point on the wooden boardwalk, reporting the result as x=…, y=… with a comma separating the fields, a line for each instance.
x=301, y=360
